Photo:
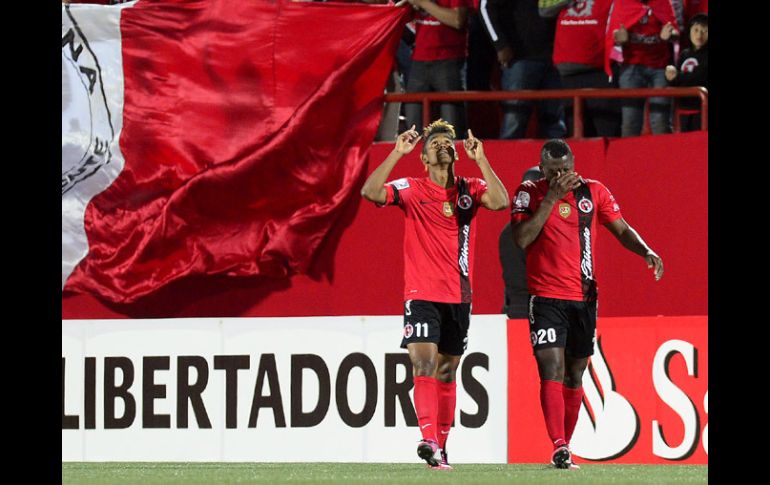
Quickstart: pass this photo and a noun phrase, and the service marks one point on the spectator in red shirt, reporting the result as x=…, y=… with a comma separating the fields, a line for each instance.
x=439, y=55
x=440, y=212
x=645, y=29
x=578, y=53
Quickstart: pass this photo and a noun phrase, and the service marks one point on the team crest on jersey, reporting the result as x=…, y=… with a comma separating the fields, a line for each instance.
x=585, y=206
x=465, y=202
x=448, y=211
x=565, y=210
x=408, y=330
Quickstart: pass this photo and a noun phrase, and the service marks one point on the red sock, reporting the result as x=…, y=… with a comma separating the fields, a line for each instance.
x=426, y=406
x=572, y=400
x=447, y=397
x=552, y=402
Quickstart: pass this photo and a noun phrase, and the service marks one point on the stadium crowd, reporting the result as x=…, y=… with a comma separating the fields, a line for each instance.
x=493, y=45
x=557, y=44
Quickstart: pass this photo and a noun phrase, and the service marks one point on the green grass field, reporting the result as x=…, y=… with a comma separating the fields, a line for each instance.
x=362, y=473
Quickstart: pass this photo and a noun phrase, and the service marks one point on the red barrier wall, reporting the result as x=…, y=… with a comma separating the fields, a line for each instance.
x=661, y=185
x=626, y=403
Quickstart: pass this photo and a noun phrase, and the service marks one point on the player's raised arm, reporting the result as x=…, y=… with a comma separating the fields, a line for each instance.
x=496, y=197
x=374, y=187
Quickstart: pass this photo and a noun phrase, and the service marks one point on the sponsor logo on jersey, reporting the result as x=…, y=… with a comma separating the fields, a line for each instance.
x=586, y=265
x=532, y=309
x=522, y=200
x=448, y=210
x=408, y=330
x=635, y=38
x=465, y=202
x=585, y=206
x=565, y=210
x=464, y=250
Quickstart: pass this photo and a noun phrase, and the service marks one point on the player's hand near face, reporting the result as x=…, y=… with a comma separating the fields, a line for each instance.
x=473, y=147
x=406, y=141
x=562, y=184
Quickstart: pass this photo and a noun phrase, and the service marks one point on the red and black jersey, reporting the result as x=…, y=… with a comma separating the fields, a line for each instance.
x=560, y=261
x=439, y=236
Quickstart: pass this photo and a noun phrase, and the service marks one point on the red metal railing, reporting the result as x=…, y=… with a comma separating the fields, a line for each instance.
x=577, y=95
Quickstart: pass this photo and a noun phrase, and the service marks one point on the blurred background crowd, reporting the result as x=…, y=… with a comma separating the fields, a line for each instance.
x=512, y=45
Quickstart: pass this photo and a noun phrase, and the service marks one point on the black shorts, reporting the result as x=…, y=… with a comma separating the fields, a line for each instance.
x=444, y=324
x=562, y=323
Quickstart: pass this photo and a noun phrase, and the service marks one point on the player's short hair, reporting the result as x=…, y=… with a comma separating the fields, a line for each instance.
x=555, y=149
x=438, y=127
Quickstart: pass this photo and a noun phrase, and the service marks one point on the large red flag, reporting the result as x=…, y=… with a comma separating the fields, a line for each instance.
x=244, y=128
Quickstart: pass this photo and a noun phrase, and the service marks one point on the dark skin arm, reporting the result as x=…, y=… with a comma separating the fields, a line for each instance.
x=527, y=231
x=631, y=240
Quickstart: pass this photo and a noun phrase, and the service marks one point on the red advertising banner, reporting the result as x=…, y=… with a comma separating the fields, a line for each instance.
x=646, y=394
x=643, y=173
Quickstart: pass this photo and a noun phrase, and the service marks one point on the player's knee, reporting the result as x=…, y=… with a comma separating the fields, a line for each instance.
x=551, y=371
x=554, y=375
x=573, y=379
x=424, y=368
x=446, y=374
